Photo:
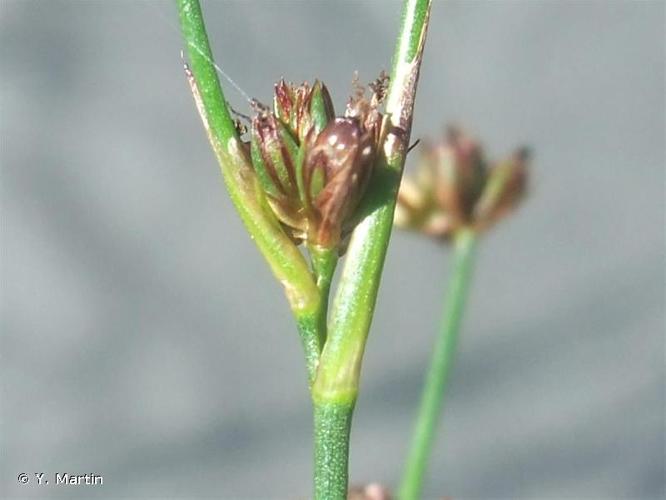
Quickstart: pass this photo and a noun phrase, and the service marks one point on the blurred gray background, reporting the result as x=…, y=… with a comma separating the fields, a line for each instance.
x=144, y=339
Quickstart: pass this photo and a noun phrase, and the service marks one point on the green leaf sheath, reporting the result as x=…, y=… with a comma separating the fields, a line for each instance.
x=286, y=262
x=434, y=387
x=353, y=307
x=332, y=425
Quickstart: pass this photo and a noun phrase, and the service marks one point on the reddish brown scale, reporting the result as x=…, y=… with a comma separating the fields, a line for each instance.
x=266, y=134
x=267, y=130
x=283, y=99
x=291, y=169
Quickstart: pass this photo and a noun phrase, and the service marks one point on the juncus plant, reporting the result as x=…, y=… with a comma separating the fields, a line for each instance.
x=455, y=196
x=329, y=182
x=303, y=175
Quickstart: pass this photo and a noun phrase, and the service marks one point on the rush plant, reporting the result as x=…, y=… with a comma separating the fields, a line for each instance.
x=303, y=175
x=329, y=182
x=455, y=196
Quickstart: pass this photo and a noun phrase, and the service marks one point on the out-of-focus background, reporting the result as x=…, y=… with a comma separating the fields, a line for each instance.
x=144, y=339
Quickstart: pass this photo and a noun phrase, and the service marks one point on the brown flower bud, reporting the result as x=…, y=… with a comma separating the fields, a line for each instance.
x=274, y=154
x=286, y=103
x=313, y=168
x=454, y=189
x=303, y=107
x=336, y=169
x=461, y=169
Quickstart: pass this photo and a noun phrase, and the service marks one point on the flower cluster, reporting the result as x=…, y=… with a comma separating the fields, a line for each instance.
x=455, y=188
x=314, y=167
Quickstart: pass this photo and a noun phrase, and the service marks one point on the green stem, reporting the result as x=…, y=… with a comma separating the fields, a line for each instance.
x=338, y=374
x=432, y=397
x=309, y=330
x=284, y=258
x=312, y=326
x=324, y=262
x=332, y=426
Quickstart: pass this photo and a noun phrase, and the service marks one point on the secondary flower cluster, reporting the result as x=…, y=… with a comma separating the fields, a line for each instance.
x=313, y=167
x=455, y=188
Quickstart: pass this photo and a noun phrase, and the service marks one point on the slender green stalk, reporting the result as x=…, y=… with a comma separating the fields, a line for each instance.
x=353, y=307
x=311, y=334
x=332, y=426
x=432, y=398
x=324, y=262
x=312, y=326
x=285, y=260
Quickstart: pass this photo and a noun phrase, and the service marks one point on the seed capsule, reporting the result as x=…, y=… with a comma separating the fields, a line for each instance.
x=336, y=170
